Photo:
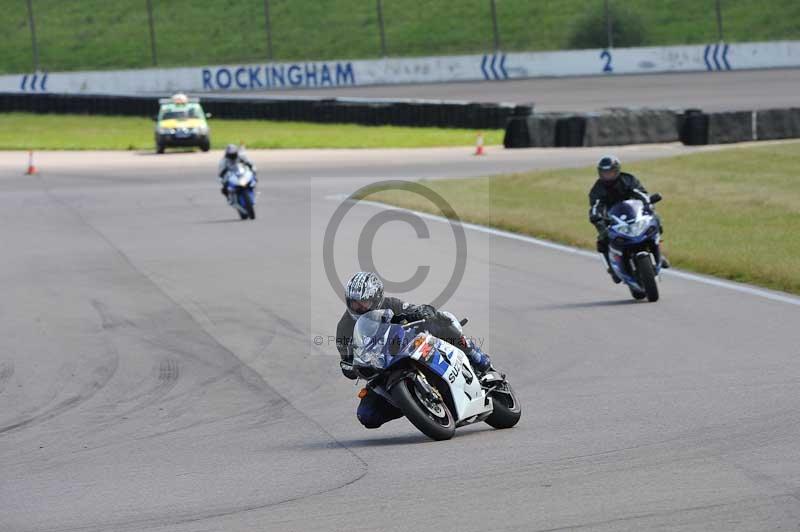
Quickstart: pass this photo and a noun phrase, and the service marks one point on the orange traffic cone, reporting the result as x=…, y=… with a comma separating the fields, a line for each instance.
x=479, y=145
x=31, y=169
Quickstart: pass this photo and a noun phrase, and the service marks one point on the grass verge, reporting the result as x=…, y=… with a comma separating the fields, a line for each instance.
x=113, y=34
x=26, y=131
x=733, y=214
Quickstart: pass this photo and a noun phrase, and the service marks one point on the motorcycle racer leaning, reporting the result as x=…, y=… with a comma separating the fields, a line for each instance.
x=363, y=293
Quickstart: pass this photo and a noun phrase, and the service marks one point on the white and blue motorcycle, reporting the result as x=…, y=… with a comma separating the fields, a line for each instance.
x=634, y=247
x=240, y=185
x=429, y=380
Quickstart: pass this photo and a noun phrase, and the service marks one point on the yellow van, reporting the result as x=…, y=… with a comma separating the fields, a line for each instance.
x=181, y=122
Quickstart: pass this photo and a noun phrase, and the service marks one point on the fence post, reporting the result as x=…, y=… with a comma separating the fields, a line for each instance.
x=379, y=7
x=719, y=22
x=495, y=29
x=609, y=26
x=268, y=27
x=35, y=45
x=152, y=32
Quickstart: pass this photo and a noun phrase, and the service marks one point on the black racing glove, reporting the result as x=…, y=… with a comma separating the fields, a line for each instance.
x=442, y=320
x=224, y=191
x=416, y=313
x=348, y=371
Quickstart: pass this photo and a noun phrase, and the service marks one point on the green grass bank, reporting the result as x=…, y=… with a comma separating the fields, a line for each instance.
x=114, y=34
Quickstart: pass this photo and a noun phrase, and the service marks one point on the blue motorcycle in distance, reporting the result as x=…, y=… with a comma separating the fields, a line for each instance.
x=240, y=187
x=634, y=249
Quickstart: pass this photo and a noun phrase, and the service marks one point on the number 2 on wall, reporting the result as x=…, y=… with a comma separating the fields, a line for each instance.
x=607, y=56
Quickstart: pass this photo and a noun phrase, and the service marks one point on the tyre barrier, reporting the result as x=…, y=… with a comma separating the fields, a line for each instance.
x=570, y=131
x=415, y=113
x=729, y=127
x=617, y=127
x=693, y=127
x=773, y=124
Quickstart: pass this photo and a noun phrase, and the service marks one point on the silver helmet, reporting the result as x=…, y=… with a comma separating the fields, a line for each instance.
x=363, y=292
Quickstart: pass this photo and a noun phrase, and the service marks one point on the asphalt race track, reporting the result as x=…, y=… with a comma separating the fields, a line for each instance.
x=710, y=91
x=159, y=368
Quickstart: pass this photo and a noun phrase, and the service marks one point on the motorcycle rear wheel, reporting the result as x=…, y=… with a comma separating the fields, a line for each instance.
x=434, y=420
x=507, y=410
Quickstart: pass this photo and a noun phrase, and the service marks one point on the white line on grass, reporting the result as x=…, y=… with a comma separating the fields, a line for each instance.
x=704, y=279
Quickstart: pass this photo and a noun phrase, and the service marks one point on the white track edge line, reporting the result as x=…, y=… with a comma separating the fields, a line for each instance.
x=698, y=278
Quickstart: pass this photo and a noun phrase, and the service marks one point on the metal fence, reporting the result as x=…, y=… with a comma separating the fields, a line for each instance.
x=116, y=34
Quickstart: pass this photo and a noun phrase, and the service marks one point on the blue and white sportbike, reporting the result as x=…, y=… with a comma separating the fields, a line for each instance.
x=240, y=185
x=429, y=380
x=634, y=249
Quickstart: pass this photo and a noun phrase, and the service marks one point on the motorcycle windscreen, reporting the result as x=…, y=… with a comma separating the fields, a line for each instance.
x=234, y=174
x=369, y=340
x=626, y=210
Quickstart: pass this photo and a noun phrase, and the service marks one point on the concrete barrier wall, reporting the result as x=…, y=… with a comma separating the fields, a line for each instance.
x=490, y=67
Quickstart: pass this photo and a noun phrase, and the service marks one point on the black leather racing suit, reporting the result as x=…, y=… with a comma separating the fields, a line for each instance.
x=604, y=195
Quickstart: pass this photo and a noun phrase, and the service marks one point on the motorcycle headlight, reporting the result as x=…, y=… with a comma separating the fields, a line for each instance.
x=369, y=358
x=637, y=227
x=632, y=229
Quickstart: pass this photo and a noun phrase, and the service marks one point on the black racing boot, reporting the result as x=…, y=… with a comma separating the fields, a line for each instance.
x=610, y=271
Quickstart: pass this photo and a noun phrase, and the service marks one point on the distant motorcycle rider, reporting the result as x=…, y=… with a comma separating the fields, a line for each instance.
x=363, y=293
x=233, y=156
x=612, y=187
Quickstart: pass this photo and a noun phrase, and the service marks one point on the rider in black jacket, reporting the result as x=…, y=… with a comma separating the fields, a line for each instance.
x=363, y=293
x=612, y=187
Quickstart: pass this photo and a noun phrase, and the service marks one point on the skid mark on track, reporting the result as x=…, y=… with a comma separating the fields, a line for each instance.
x=6, y=372
x=107, y=320
x=231, y=365
x=166, y=374
x=136, y=524
x=97, y=379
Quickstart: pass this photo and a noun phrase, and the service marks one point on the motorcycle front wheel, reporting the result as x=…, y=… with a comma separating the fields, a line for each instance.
x=636, y=294
x=248, y=205
x=647, y=277
x=430, y=415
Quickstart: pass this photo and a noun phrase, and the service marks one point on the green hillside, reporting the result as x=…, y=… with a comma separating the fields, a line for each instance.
x=114, y=34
